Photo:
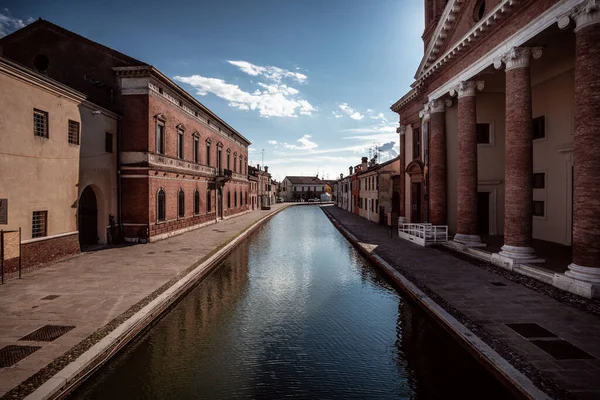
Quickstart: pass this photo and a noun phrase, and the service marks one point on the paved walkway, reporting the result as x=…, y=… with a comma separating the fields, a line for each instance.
x=95, y=288
x=486, y=303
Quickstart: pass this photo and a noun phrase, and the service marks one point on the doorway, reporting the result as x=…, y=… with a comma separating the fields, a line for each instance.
x=415, y=202
x=483, y=213
x=87, y=221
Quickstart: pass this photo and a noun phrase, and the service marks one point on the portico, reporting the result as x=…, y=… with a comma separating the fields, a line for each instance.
x=506, y=128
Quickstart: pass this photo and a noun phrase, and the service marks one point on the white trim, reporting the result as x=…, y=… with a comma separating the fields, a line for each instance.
x=536, y=26
x=41, y=239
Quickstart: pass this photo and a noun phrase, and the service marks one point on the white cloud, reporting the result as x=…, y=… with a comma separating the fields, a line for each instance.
x=251, y=149
x=272, y=141
x=305, y=144
x=9, y=24
x=381, y=128
x=272, y=73
x=277, y=100
x=379, y=117
x=349, y=111
x=336, y=114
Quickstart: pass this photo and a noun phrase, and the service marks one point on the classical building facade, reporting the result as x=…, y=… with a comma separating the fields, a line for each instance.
x=153, y=160
x=498, y=135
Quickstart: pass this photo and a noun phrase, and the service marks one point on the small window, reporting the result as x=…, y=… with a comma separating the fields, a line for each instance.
x=241, y=170
x=180, y=144
x=73, y=132
x=160, y=138
x=228, y=199
x=484, y=135
x=235, y=199
x=160, y=90
x=538, y=208
x=39, y=224
x=208, y=203
x=40, y=123
x=196, y=202
x=416, y=143
x=161, y=206
x=196, y=149
x=246, y=195
x=108, y=142
x=180, y=103
x=539, y=180
x=181, y=204
x=479, y=10
x=234, y=163
x=228, y=159
x=41, y=62
x=241, y=203
x=208, y=154
x=539, y=127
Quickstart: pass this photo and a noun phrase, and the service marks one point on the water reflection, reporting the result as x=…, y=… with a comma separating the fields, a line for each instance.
x=293, y=312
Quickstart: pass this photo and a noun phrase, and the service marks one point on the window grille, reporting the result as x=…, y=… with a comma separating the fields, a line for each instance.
x=73, y=132
x=40, y=123
x=39, y=224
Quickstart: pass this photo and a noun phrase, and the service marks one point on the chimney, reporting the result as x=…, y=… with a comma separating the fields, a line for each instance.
x=364, y=161
x=258, y=167
x=266, y=169
x=350, y=170
x=341, y=176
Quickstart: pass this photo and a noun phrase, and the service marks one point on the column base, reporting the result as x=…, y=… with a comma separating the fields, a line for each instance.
x=469, y=240
x=579, y=280
x=511, y=255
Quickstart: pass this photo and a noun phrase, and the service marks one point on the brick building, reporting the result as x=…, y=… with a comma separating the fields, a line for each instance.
x=498, y=134
x=179, y=165
x=297, y=188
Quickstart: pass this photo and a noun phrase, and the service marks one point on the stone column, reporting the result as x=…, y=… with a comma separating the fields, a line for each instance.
x=437, y=163
x=584, y=272
x=467, y=164
x=401, y=130
x=518, y=160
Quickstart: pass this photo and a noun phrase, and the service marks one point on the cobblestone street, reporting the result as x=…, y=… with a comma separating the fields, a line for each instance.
x=487, y=304
x=98, y=287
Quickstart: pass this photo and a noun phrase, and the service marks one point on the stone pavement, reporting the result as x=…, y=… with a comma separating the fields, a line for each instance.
x=486, y=302
x=95, y=288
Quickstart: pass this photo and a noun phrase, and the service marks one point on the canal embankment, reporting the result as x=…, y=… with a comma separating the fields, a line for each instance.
x=102, y=300
x=540, y=346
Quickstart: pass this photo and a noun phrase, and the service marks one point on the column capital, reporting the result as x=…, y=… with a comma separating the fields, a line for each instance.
x=467, y=88
x=584, y=14
x=439, y=105
x=401, y=130
x=518, y=57
x=425, y=112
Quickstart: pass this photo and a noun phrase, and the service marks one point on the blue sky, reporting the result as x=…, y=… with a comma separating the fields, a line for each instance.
x=308, y=81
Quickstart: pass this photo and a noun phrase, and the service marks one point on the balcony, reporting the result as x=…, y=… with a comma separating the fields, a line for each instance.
x=224, y=175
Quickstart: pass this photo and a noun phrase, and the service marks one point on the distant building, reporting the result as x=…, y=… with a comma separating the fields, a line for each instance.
x=296, y=188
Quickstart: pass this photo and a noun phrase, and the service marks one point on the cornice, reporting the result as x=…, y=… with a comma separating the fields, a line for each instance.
x=432, y=61
x=407, y=98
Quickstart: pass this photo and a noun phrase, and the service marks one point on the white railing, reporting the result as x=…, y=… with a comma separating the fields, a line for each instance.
x=423, y=234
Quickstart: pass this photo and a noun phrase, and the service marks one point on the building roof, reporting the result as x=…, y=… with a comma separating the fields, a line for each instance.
x=303, y=180
x=378, y=166
x=47, y=24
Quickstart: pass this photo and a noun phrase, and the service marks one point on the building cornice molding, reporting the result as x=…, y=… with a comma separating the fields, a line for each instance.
x=404, y=100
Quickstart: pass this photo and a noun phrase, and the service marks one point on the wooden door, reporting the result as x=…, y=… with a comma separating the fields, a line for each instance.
x=415, y=202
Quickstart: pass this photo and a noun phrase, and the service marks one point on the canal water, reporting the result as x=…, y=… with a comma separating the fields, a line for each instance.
x=294, y=312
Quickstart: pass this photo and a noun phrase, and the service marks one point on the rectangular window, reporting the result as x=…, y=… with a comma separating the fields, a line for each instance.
x=208, y=205
x=108, y=142
x=228, y=199
x=160, y=138
x=241, y=170
x=416, y=143
x=538, y=208
x=73, y=132
x=234, y=163
x=539, y=127
x=208, y=154
x=483, y=134
x=539, y=180
x=40, y=123
x=196, y=149
x=39, y=224
x=180, y=145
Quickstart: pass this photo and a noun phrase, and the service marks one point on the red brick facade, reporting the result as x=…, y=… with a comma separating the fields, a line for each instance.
x=437, y=168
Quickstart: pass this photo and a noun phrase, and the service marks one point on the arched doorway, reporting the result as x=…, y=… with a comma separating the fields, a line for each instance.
x=88, y=218
x=415, y=171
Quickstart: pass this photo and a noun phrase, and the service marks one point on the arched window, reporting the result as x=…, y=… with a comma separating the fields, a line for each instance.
x=208, y=202
x=246, y=198
x=241, y=199
x=196, y=202
x=234, y=162
x=228, y=199
x=161, y=205
x=235, y=199
x=181, y=204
